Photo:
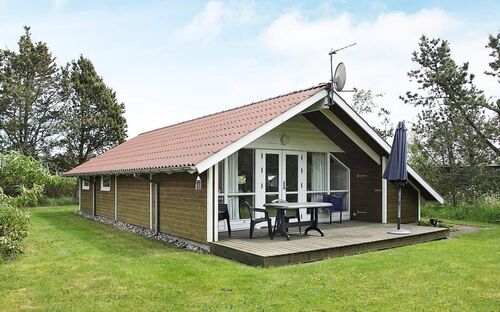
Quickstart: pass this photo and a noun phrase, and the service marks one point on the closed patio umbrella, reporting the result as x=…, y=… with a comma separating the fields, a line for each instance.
x=395, y=171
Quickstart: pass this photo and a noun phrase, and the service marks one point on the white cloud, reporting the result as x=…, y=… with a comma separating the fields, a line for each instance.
x=210, y=22
x=58, y=5
x=382, y=56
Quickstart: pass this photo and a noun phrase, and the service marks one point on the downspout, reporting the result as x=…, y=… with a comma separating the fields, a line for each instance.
x=93, y=197
x=157, y=200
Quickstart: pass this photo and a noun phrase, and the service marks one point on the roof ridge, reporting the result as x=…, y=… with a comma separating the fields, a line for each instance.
x=322, y=84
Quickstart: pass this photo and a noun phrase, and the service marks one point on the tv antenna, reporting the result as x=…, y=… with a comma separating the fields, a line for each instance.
x=338, y=78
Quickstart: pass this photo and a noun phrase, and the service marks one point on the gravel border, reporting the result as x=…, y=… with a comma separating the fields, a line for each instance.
x=169, y=239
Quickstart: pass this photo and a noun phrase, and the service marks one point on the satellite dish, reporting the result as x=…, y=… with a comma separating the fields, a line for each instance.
x=339, y=77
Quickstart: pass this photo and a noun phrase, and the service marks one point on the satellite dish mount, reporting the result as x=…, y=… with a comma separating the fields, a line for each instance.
x=338, y=78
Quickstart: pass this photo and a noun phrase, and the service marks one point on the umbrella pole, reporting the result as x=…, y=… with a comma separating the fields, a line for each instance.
x=399, y=206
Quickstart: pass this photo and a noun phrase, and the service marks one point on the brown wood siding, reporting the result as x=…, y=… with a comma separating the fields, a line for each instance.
x=183, y=210
x=86, y=199
x=366, y=175
x=372, y=143
x=133, y=201
x=409, y=204
x=105, y=200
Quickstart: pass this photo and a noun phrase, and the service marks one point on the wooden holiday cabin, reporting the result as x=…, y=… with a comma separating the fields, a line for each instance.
x=295, y=146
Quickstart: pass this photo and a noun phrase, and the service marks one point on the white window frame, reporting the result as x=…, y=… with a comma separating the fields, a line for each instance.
x=348, y=190
x=347, y=213
x=327, y=190
x=105, y=188
x=237, y=224
x=85, y=185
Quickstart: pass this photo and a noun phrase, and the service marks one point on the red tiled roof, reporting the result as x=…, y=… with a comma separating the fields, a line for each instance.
x=188, y=143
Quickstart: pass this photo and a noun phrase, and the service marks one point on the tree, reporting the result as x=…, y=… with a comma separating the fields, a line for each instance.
x=93, y=119
x=494, y=45
x=364, y=102
x=455, y=130
x=29, y=98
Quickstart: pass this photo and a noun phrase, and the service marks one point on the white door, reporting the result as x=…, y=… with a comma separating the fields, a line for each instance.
x=281, y=175
x=293, y=176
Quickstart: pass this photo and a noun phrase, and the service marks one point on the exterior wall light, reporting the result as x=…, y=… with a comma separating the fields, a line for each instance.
x=284, y=139
x=197, y=184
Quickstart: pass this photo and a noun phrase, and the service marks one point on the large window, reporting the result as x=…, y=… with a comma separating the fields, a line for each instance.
x=339, y=181
x=317, y=176
x=237, y=182
x=326, y=175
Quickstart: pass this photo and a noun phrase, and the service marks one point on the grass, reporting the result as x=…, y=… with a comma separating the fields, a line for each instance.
x=57, y=201
x=72, y=263
x=487, y=212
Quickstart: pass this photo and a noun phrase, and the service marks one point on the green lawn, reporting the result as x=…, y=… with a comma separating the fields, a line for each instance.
x=71, y=263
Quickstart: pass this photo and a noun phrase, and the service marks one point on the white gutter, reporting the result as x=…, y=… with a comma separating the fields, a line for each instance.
x=169, y=170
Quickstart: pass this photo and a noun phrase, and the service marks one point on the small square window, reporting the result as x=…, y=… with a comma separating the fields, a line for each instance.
x=85, y=185
x=105, y=183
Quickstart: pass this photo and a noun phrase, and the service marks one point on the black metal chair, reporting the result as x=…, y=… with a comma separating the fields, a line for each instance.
x=288, y=218
x=224, y=215
x=337, y=202
x=254, y=220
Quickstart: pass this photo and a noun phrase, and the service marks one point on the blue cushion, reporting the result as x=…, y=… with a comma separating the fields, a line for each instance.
x=336, y=201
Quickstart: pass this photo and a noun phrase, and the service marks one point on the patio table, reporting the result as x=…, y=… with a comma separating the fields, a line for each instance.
x=281, y=208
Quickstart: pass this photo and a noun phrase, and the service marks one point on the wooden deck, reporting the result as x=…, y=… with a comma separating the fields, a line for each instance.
x=344, y=239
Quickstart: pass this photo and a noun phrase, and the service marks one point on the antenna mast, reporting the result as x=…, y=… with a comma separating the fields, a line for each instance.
x=332, y=52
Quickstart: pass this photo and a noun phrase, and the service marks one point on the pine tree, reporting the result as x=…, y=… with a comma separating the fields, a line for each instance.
x=455, y=131
x=93, y=119
x=29, y=98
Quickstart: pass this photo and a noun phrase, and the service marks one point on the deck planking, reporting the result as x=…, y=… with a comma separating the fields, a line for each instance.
x=348, y=238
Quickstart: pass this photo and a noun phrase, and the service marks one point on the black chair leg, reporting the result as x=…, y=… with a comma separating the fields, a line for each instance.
x=269, y=227
x=252, y=225
x=340, y=216
x=228, y=226
x=331, y=217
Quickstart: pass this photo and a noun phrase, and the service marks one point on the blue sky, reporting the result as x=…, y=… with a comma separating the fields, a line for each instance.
x=173, y=60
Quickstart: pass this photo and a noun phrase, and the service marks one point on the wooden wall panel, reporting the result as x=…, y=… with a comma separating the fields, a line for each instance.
x=366, y=174
x=133, y=201
x=409, y=204
x=105, y=200
x=86, y=200
x=302, y=135
x=183, y=210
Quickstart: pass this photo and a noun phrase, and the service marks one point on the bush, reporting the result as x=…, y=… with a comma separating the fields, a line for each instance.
x=26, y=181
x=27, y=197
x=486, y=210
x=14, y=224
x=18, y=171
x=58, y=186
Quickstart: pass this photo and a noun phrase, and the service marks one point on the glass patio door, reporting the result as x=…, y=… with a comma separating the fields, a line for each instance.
x=272, y=176
x=293, y=177
x=282, y=176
